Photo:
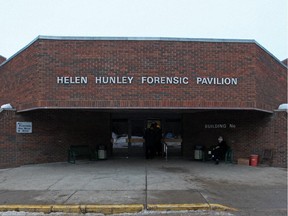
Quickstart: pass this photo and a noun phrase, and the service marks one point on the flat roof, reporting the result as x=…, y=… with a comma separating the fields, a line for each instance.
x=91, y=38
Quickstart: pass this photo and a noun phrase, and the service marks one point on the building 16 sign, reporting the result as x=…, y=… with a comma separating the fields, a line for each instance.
x=24, y=127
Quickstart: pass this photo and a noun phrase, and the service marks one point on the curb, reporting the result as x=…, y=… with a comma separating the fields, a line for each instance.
x=26, y=208
x=178, y=207
x=191, y=207
x=219, y=207
x=114, y=209
x=104, y=209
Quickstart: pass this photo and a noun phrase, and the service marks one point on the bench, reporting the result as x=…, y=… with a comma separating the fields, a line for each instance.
x=80, y=151
x=229, y=156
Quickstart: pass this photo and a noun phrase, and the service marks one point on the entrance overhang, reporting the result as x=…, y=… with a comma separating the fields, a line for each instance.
x=129, y=109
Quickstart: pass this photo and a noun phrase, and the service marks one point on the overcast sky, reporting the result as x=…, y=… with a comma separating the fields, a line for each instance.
x=266, y=21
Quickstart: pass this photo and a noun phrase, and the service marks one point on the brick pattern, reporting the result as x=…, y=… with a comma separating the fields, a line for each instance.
x=53, y=133
x=271, y=81
x=8, y=142
x=28, y=81
x=2, y=59
x=20, y=79
x=254, y=132
x=30, y=77
x=280, y=139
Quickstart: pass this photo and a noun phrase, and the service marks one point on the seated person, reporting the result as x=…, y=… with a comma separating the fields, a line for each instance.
x=219, y=150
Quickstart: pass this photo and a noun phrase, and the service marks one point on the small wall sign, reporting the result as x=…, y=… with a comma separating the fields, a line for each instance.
x=219, y=126
x=24, y=127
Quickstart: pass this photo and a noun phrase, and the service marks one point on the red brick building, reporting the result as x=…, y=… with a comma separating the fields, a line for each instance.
x=2, y=59
x=77, y=91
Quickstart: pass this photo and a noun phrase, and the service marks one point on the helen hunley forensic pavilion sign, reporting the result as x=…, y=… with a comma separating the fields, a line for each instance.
x=151, y=80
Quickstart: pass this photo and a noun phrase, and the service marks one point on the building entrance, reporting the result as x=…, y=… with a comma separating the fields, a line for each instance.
x=128, y=134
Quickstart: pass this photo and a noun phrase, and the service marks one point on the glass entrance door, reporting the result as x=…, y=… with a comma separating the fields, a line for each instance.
x=173, y=137
x=120, y=139
x=128, y=130
x=128, y=138
x=136, y=138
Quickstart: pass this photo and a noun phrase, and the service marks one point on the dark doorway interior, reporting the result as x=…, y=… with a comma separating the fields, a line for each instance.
x=128, y=130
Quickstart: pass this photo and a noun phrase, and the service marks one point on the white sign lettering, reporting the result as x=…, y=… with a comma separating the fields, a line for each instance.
x=113, y=80
x=72, y=80
x=216, y=81
x=219, y=126
x=165, y=80
x=151, y=80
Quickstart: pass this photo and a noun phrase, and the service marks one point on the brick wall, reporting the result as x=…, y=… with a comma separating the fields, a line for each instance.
x=8, y=146
x=53, y=133
x=30, y=78
x=246, y=133
x=280, y=139
x=2, y=59
x=20, y=79
x=253, y=133
x=29, y=81
x=271, y=81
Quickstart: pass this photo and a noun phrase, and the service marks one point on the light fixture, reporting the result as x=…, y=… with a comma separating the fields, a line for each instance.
x=6, y=106
x=283, y=106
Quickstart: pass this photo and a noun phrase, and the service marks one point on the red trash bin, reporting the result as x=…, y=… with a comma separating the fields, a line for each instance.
x=253, y=160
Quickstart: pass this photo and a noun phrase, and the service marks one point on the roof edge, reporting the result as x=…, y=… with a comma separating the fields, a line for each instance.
x=145, y=108
x=20, y=51
x=269, y=53
x=90, y=38
x=145, y=39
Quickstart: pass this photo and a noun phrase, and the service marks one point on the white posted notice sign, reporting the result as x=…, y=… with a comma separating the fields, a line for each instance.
x=24, y=127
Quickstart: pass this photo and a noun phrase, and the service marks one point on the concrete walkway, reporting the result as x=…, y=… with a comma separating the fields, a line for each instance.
x=132, y=185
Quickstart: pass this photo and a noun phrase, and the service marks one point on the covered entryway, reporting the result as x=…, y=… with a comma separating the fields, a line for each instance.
x=128, y=132
x=54, y=131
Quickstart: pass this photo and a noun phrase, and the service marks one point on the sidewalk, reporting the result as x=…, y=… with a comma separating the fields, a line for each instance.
x=131, y=185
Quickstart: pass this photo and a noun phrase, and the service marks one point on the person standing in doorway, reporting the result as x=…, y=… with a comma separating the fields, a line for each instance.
x=150, y=142
x=158, y=139
x=219, y=150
